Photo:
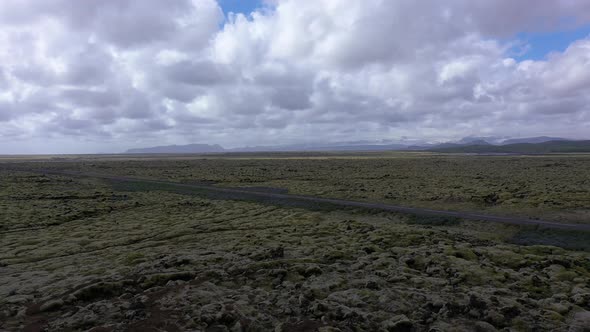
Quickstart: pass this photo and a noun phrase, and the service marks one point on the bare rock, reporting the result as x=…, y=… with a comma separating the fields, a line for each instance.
x=52, y=305
x=484, y=327
x=312, y=270
x=399, y=323
x=580, y=322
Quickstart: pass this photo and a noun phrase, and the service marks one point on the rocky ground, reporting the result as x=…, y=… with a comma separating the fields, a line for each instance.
x=79, y=255
x=550, y=187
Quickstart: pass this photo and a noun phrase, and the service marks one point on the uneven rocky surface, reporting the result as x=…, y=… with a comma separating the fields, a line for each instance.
x=551, y=187
x=77, y=254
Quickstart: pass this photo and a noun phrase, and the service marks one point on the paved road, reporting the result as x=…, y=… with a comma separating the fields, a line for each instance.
x=266, y=196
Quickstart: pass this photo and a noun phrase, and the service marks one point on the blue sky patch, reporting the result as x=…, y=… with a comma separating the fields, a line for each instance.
x=541, y=44
x=240, y=6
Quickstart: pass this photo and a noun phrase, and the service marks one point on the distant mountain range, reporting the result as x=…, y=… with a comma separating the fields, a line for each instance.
x=471, y=144
x=539, y=139
x=321, y=147
x=559, y=146
x=488, y=141
x=190, y=148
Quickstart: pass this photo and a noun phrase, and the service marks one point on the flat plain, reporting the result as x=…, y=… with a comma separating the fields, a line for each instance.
x=82, y=253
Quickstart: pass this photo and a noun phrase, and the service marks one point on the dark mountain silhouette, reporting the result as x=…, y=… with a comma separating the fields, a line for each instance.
x=561, y=146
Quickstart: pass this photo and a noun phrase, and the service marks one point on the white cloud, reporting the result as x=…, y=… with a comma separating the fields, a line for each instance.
x=139, y=71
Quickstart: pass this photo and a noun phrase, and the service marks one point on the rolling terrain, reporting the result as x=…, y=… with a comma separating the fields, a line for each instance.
x=550, y=187
x=279, y=197
x=88, y=253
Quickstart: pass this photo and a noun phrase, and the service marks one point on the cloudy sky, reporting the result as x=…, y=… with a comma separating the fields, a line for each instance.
x=107, y=75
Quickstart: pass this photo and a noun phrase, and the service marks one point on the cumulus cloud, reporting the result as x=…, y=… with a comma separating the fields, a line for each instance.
x=135, y=72
x=198, y=73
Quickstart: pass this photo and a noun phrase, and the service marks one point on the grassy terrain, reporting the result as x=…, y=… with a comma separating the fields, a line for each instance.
x=84, y=253
x=550, y=187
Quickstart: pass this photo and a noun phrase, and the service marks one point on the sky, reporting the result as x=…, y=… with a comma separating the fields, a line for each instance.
x=108, y=75
x=244, y=7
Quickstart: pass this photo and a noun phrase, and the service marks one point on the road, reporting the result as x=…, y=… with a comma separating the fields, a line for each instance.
x=266, y=196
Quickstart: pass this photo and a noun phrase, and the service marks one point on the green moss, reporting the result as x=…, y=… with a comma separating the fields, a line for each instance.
x=505, y=258
x=337, y=255
x=554, y=316
x=520, y=325
x=100, y=290
x=133, y=258
x=161, y=279
x=30, y=242
x=566, y=275
x=219, y=238
x=407, y=240
x=463, y=253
